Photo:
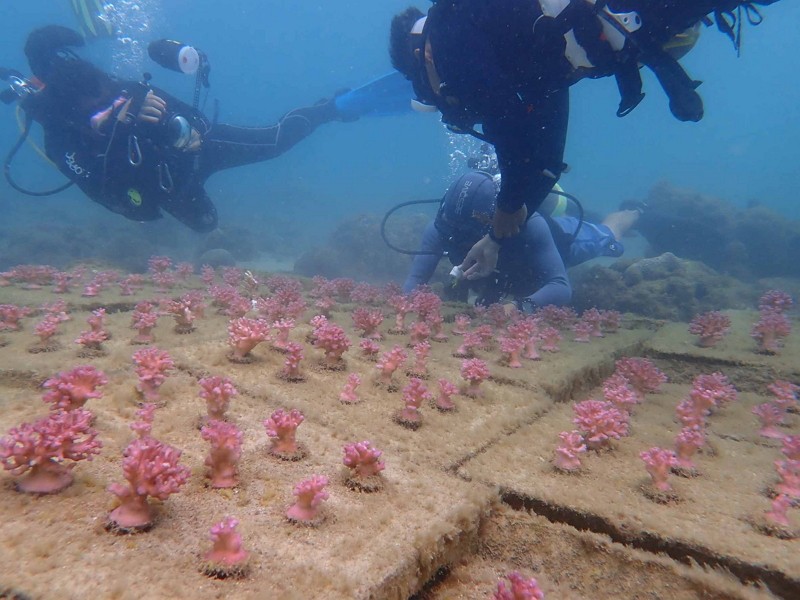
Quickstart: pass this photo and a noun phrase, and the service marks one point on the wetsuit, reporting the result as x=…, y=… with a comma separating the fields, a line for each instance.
x=496, y=74
x=505, y=69
x=133, y=169
x=529, y=264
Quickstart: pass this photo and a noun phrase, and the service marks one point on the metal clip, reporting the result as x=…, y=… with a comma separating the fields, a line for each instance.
x=164, y=175
x=134, y=152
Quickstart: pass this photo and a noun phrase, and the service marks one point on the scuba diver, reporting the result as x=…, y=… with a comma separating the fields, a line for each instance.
x=133, y=148
x=531, y=267
x=502, y=71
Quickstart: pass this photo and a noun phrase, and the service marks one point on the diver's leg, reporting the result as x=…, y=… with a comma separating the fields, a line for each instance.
x=227, y=146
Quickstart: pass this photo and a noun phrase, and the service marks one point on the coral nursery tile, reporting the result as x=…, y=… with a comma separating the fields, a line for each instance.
x=711, y=516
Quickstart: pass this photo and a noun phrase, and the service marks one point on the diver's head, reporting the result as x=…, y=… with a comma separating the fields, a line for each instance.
x=49, y=54
x=466, y=213
x=407, y=48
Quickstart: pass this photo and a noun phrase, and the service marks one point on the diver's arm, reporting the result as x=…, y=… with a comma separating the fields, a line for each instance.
x=424, y=265
x=545, y=261
x=530, y=151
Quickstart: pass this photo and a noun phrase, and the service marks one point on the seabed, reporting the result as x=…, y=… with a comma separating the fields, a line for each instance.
x=468, y=497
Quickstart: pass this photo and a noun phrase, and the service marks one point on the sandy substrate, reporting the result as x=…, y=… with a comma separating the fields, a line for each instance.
x=440, y=519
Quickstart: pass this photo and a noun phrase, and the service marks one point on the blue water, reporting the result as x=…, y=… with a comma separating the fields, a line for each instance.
x=269, y=56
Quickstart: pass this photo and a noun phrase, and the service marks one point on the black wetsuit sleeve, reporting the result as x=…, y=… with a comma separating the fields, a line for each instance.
x=530, y=150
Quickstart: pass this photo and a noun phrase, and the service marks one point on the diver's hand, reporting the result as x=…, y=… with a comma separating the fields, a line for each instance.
x=507, y=224
x=195, y=141
x=481, y=259
x=153, y=109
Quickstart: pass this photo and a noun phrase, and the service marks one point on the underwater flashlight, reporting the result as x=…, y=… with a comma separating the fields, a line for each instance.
x=175, y=56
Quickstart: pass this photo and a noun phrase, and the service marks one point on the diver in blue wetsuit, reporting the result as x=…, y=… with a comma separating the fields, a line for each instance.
x=135, y=149
x=501, y=71
x=531, y=267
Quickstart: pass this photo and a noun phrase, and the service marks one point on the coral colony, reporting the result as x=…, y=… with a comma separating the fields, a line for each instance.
x=41, y=455
x=227, y=557
x=365, y=466
x=710, y=328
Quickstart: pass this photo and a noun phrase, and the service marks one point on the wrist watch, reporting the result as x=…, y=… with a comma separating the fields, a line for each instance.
x=526, y=305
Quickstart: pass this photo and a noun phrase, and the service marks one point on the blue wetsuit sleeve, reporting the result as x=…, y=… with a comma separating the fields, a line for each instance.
x=424, y=265
x=544, y=260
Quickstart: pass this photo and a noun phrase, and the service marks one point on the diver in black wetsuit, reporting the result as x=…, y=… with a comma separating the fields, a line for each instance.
x=501, y=71
x=136, y=149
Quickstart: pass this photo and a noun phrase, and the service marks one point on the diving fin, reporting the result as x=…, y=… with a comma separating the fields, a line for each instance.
x=93, y=18
x=385, y=96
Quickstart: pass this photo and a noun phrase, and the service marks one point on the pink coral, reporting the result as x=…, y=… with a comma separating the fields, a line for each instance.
x=790, y=447
x=309, y=496
x=331, y=338
x=771, y=329
x=775, y=300
x=46, y=330
x=688, y=441
x=659, y=462
x=10, y=315
x=771, y=416
x=777, y=514
x=420, y=331
x=281, y=428
x=146, y=415
x=284, y=328
x=527, y=330
x=369, y=348
x=144, y=322
x=402, y=305
x=389, y=362
x=511, y=347
x=217, y=391
x=520, y=589
x=43, y=446
x=291, y=365
x=712, y=390
x=421, y=352
x=363, y=459
x=348, y=394
x=789, y=473
x=152, y=366
x=469, y=342
x=227, y=557
x=461, y=325
x=474, y=371
x=226, y=449
x=92, y=342
x=71, y=389
x=550, y=338
x=785, y=393
x=151, y=469
x=367, y=320
x=185, y=311
x=244, y=334
x=601, y=422
x=414, y=395
x=710, y=327
x=617, y=389
x=568, y=452
x=642, y=374
x=447, y=389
